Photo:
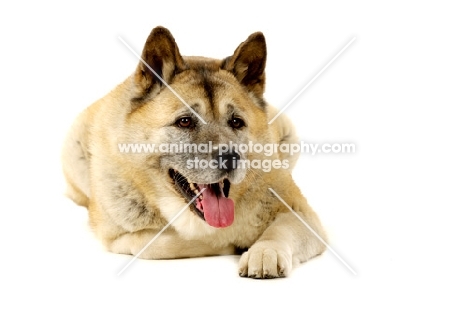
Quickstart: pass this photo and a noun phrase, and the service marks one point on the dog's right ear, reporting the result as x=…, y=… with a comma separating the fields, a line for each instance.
x=160, y=59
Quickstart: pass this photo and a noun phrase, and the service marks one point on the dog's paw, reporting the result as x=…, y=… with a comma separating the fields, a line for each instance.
x=265, y=260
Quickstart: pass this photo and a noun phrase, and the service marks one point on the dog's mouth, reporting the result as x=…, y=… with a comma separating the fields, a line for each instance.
x=213, y=205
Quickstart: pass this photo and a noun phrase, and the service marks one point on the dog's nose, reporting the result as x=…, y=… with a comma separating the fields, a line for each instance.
x=228, y=161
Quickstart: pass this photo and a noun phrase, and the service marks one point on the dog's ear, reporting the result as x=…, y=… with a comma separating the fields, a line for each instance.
x=248, y=63
x=160, y=56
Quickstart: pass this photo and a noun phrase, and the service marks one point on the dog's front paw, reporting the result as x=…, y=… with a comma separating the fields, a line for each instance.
x=265, y=260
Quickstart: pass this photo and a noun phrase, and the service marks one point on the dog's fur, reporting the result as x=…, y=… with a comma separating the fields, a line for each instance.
x=131, y=197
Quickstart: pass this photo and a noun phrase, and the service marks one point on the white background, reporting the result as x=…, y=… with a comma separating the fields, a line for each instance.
x=395, y=210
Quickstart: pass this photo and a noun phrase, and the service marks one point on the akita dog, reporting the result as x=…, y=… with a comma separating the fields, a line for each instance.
x=176, y=100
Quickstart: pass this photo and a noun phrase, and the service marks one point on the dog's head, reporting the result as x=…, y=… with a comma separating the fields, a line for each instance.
x=197, y=111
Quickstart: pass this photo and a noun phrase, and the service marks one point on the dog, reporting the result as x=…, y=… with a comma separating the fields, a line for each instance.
x=175, y=100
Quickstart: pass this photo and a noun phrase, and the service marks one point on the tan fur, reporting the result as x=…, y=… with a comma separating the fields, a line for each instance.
x=131, y=197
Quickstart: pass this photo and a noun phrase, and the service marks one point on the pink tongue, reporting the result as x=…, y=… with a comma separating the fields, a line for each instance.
x=219, y=211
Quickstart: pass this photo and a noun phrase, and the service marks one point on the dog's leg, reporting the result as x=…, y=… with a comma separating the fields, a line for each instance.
x=167, y=246
x=75, y=162
x=284, y=243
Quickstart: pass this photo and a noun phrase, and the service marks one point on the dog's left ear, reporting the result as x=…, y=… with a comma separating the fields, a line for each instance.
x=161, y=54
x=248, y=63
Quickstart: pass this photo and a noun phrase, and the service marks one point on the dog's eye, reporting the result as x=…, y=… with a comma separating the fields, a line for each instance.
x=184, y=122
x=236, y=123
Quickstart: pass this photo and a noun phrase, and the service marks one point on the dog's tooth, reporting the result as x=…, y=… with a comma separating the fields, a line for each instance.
x=221, y=184
x=201, y=197
x=192, y=186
